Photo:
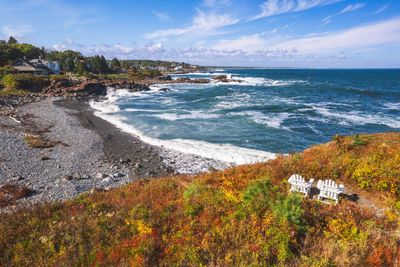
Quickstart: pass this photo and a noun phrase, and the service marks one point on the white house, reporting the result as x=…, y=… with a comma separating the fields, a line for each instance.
x=54, y=66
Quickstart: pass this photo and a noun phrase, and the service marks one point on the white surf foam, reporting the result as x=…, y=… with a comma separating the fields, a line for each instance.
x=234, y=100
x=192, y=74
x=392, y=106
x=356, y=118
x=257, y=81
x=141, y=110
x=270, y=120
x=191, y=115
x=242, y=81
x=222, y=152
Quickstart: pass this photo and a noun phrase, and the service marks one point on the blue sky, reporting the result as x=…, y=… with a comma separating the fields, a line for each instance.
x=264, y=33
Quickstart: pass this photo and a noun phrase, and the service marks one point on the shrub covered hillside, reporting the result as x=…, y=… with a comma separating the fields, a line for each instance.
x=239, y=217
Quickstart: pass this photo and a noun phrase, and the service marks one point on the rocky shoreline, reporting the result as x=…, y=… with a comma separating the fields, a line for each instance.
x=87, y=87
x=78, y=151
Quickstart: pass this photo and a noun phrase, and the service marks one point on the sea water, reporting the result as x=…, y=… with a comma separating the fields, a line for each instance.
x=264, y=112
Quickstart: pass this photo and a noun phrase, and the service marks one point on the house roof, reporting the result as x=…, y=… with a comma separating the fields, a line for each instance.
x=28, y=68
x=22, y=65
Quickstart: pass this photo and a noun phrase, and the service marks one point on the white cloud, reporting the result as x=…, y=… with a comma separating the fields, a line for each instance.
x=162, y=16
x=248, y=43
x=202, y=24
x=155, y=47
x=199, y=55
x=104, y=49
x=380, y=10
x=17, y=31
x=276, y=7
x=347, y=9
x=123, y=49
x=379, y=33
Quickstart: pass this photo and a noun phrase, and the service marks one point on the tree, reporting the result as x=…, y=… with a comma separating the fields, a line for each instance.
x=12, y=41
x=68, y=64
x=81, y=67
x=8, y=54
x=115, y=65
x=104, y=65
x=95, y=64
x=29, y=51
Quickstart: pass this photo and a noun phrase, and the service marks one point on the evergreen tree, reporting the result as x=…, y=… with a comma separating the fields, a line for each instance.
x=12, y=41
x=115, y=65
x=81, y=67
x=103, y=65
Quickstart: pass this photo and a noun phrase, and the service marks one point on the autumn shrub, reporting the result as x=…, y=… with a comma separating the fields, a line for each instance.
x=10, y=193
x=243, y=216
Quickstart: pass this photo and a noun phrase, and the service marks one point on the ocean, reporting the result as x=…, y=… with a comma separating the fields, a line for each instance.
x=269, y=111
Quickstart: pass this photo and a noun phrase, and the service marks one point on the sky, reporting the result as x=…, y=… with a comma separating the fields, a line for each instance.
x=259, y=33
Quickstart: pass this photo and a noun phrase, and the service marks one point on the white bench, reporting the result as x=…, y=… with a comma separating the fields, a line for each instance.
x=329, y=189
x=298, y=184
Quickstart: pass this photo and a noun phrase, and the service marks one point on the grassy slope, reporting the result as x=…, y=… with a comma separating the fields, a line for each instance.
x=241, y=216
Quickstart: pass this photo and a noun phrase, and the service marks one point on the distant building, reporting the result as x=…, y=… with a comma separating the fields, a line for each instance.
x=54, y=66
x=161, y=68
x=23, y=66
x=37, y=66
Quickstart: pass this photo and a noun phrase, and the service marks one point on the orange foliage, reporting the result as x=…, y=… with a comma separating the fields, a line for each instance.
x=240, y=216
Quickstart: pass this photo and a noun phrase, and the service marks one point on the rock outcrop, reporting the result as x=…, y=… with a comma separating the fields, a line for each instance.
x=225, y=79
x=89, y=87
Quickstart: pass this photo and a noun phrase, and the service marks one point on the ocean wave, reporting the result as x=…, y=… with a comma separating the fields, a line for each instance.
x=109, y=103
x=235, y=100
x=223, y=152
x=356, y=118
x=392, y=106
x=274, y=120
x=108, y=109
x=239, y=80
x=191, y=115
x=257, y=81
x=141, y=110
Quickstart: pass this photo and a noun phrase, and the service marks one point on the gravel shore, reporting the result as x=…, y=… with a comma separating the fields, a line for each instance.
x=88, y=153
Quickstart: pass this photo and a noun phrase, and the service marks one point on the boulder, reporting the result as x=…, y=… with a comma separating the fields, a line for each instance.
x=165, y=78
x=100, y=175
x=221, y=78
x=183, y=80
x=201, y=80
x=106, y=181
x=117, y=175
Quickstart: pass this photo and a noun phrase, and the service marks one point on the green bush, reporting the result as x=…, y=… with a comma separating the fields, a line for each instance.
x=289, y=208
x=7, y=70
x=259, y=196
x=31, y=83
x=57, y=77
x=10, y=82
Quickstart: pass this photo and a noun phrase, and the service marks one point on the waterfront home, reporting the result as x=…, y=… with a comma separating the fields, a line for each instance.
x=23, y=66
x=37, y=66
x=53, y=66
